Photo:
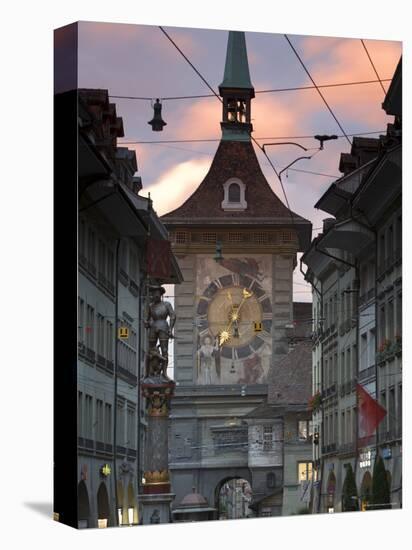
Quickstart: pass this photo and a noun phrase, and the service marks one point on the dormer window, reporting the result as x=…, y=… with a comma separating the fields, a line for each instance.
x=234, y=192
x=234, y=195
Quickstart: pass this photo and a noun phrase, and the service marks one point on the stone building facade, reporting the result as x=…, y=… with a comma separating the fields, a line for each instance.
x=113, y=225
x=354, y=266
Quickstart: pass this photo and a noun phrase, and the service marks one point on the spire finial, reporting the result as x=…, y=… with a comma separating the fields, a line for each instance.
x=236, y=67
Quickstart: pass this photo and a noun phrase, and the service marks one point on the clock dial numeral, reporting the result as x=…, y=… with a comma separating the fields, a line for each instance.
x=267, y=327
x=244, y=351
x=246, y=282
x=202, y=306
x=226, y=280
x=266, y=305
x=236, y=279
x=257, y=343
x=226, y=352
x=218, y=283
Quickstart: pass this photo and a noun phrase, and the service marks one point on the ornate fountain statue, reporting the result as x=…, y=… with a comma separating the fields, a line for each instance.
x=160, y=332
x=157, y=389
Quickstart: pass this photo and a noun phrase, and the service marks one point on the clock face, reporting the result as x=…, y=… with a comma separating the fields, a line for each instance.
x=235, y=311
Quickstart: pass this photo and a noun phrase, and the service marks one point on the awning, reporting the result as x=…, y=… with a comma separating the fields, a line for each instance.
x=333, y=199
x=348, y=235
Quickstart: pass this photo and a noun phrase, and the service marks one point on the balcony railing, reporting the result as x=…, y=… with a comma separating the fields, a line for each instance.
x=390, y=435
x=121, y=450
x=132, y=453
x=123, y=277
x=91, y=268
x=90, y=354
x=127, y=376
x=367, y=373
x=346, y=448
x=134, y=289
x=328, y=449
x=83, y=261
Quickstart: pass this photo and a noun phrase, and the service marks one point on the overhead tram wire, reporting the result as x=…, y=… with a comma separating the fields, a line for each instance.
x=269, y=91
x=214, y=140
x=318, y=90
x=221, y=101
x=373, y=66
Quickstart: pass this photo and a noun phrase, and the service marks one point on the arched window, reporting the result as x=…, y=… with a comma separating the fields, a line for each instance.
x=234, y=192
x=234, y=195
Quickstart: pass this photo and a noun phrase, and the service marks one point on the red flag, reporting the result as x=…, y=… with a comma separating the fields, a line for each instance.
x=158, y=258
x=371, y=413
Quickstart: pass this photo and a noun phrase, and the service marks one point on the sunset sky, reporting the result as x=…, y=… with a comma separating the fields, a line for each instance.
x=132, y=60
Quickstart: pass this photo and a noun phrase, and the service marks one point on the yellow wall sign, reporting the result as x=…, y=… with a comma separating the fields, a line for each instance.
x=258, y=327
x=106, y=470
x=123, y=333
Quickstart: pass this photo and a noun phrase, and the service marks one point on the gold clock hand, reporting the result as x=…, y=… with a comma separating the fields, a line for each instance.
x=225, y=334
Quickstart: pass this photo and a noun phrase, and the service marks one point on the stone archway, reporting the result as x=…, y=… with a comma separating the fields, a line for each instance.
x=103, y=507
x=232, y=498
x=365, y=491
x=131, y=506
x=330, y=493
x=83, y=506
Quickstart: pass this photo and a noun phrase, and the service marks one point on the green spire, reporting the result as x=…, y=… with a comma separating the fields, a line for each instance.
x=236, y=67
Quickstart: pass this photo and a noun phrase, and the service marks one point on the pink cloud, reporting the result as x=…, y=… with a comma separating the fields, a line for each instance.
x=175, y=185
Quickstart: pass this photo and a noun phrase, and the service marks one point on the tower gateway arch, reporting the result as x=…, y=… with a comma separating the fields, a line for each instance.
x=236, y=244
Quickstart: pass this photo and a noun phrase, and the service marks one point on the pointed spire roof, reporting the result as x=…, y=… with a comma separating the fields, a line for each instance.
x=237, y=159
x=237, y=67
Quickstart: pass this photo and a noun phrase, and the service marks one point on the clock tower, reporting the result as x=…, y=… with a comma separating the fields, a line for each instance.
x=236, y=244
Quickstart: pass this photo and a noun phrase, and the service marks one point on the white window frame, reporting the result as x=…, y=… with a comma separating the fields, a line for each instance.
x=234, y=206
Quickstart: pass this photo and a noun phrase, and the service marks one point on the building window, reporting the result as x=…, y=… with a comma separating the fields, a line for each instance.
x=382, y=425
x=80, y=414
x=271, y=480
x=382, y=250
x=100, y=334
x=304, y=471
x=102, y=259
x=108, y=423
x=234, y=192
x=131, y=427
x=234, y=195
x=90, y=328
x=109, y=341
x=305, y=430
x=121, y=421
x=267, y=438
x=91, y=247
x=80, y=333
x=133, y=266
x=110, y=266
x=99, y=420
x=392, y=411
x=82, y=237
x=390, y=321
x=390, y=243
x=348, y=365
x=399, y=415
x=399, y=314
x=371, y=352
x=382, y=324
x=88, y=417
